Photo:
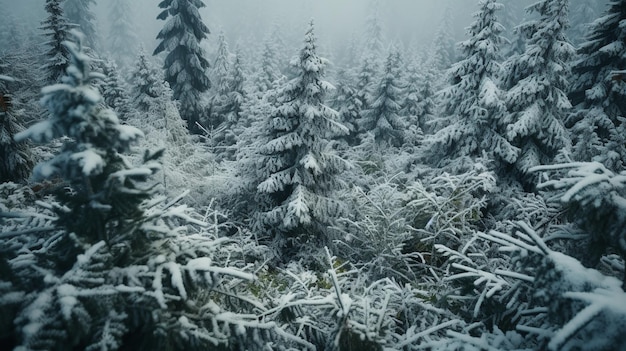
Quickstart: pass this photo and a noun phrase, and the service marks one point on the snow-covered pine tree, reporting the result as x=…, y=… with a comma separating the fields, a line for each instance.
x=79, y=13
x=474, y=104
x=16, y=160
x=185, y=66
x=114, y=90
x=371, y=58
x=220, y=84
x=89, y=162
x=238, y=94
x=117, y=270
x=55, y=29
x=232, y=110
x=381, y=117
x=597, y=123
x=268, y=72
x=122, y=37
x=443, y=46
x=536, y=101
x=427, y=105
x=145, y=79
x=298, y=168
x=346, y=102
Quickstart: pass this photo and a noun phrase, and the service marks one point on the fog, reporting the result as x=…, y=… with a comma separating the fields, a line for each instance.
x=405, y=23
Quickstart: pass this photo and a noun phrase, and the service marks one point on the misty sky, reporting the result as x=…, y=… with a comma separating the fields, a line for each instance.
x=405, y=22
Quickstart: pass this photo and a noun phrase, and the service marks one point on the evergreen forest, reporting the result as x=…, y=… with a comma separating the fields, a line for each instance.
x=209, y=190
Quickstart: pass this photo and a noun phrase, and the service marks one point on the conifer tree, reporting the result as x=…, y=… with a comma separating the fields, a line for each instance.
x=537, y=79
x=370, y=63
x=426, y=92
x=232, y=105
x=16, y=160
x=443, y=46
x=597, y=123
x=145, y=79
x=473, y=104
x=114, y=90
x=346, y=102
x=185, y=65
x=122, y=37
x=55, y=29
x=298, y=168
x=79, y=13
x=382, y=116
x=268, y=72
x=113, y=252
x=221, y=84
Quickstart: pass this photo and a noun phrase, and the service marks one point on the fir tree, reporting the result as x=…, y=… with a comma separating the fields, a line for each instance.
x=145, y=79
x=597, y=124
x=185, y=65
x=443, y=46
x=79, y=13
x=113, y=252
x=268, y=72
x=371, y=56
x=16, y=159
x=538, y=78
x=413, y=101
x=473, y=104
x=221, y=84
x=122, y=37
x=231, y=109
x=348, y=105
x=298, y=167
x=55, y=29
x=114, y=90
x=382, y=114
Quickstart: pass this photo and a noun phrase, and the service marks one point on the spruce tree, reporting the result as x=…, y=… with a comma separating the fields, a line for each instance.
x=232, y=101
x=298, y=168
x=185, y=65
x=145, y=79
x=79, y=13
x=55, y=29
x=122, y=37
x=536, y=100
x=221, y=84
x=346, y=102
x=268, y=72
x=114, y=91
x=597, y=124
x=116, y=270
x=443, y=46
x=473, y=105
x=15, y=158
x=381, y=117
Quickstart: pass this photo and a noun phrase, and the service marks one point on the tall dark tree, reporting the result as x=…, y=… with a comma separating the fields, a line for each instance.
x=15, y=158
x=536, y=100
x=474, y=103
x=186, y=67
x=298, y=168
x=597, y=123
x=55, y=29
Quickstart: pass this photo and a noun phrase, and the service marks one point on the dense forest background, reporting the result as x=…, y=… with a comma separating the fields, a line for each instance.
x=235, y=175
